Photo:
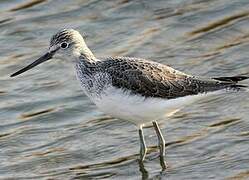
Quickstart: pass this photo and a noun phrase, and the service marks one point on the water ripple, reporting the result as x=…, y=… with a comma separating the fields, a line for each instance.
x=27, y=5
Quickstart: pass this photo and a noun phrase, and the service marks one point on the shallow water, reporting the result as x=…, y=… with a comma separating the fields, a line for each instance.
x=50, y=130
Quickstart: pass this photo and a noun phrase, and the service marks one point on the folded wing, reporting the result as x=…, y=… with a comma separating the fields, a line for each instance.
x=151, y=79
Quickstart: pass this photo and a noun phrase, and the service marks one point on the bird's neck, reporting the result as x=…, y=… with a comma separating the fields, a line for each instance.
x=83, y=53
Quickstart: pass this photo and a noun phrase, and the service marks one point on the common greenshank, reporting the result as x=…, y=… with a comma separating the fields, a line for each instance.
x=133, y=89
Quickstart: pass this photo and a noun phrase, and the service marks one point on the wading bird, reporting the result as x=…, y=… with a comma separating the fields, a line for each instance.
x=132, y=89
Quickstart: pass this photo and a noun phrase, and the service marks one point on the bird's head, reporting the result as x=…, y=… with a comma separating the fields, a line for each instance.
x=66, y=44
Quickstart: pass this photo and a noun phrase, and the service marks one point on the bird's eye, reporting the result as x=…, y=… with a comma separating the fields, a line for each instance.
x=64, y=45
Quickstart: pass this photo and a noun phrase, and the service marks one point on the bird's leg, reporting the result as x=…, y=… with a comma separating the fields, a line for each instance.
x=143, y=148
x=161, y=144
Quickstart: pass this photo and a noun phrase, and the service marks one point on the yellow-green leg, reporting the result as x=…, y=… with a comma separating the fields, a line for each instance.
x=161, y=144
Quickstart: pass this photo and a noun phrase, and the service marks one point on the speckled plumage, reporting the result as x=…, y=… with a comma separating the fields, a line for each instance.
x=135, y=75
x=147, y=78
x=132, y=89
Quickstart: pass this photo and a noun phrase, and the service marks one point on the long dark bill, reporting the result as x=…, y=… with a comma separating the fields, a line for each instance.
x=42, y=59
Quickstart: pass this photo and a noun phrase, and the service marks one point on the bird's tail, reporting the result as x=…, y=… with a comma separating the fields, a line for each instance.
x=233, y=80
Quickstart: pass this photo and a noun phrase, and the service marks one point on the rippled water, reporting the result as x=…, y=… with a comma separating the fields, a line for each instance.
x=50, y=130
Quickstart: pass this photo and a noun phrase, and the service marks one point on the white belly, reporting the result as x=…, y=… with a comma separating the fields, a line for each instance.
x=137, y=109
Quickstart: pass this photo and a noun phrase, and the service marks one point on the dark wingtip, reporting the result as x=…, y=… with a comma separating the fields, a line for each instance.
x=232, y=78
x=238, y=86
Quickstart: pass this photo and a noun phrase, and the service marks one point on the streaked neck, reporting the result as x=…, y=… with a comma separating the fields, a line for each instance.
x=83, y=53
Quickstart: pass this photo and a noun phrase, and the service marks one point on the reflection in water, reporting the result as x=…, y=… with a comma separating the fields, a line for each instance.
x=143, y=171
x=50, y=130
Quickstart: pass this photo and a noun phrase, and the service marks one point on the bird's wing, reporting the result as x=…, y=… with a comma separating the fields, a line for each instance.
x=151, y=79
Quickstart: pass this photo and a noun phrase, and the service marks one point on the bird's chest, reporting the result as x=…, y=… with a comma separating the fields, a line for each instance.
x=93, y=82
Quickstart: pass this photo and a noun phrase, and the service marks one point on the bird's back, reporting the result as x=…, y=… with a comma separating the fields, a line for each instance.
x=151, y=79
